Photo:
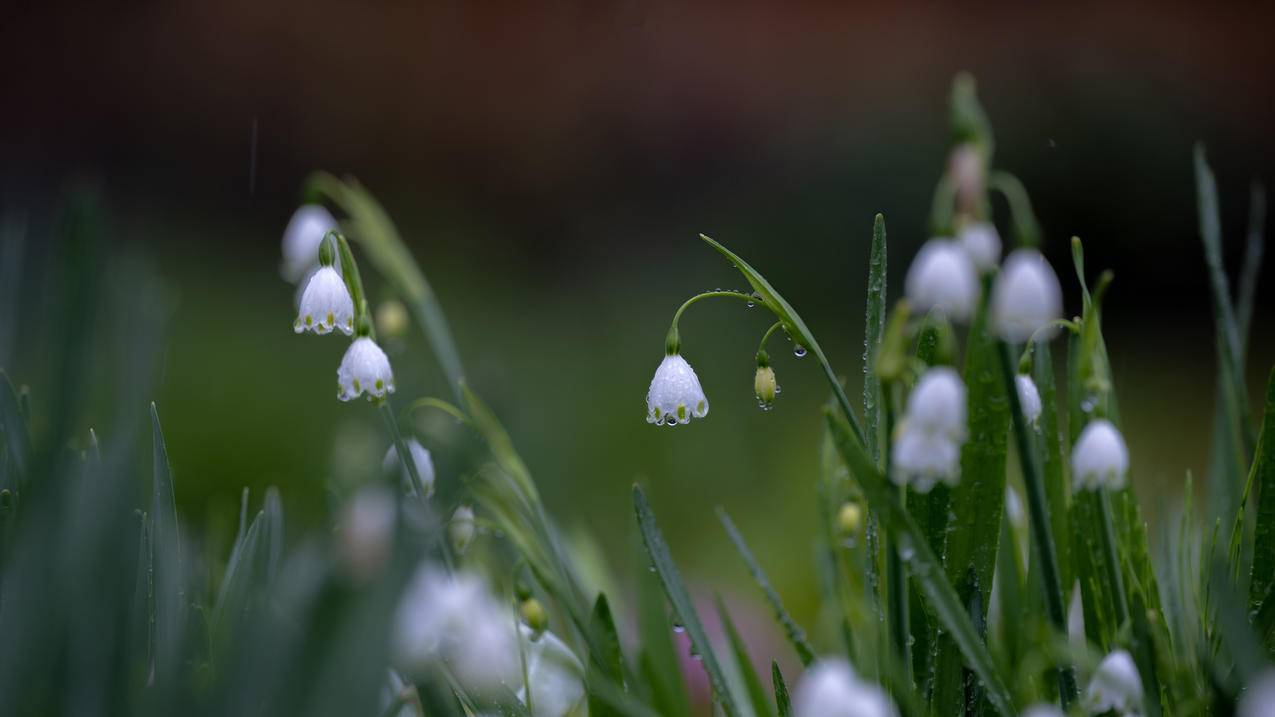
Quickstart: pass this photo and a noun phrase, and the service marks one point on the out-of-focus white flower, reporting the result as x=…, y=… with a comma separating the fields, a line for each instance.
x=921, y=459
x=1259, y=696
x=367, y=532
x=1099, y=458
x=1028, y=398
x=983, y=244
x=830, y=688
x=461, y=529
x=1043, y=709
x=364, y=369
x=309, y=224
x=675, y=394
x=943, y=277
x=1076, y=617
x=1025, y=297
x=937, y=404
x=555, y=674
x=424, y=465
x=455, y=620
x=325, y=304
x=1115, y=685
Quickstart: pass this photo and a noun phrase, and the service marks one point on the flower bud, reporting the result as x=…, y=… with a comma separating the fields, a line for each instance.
x=533, y=615
x=461, y=529
x=1028, y=398
x=391, y=319
x=849, y=519
x=764, y=386
x=1100, y=458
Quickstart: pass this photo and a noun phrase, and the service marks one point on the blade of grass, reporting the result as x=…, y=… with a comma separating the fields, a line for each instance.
x=14, y=427
x=796, y=635
x=1263, y=478
x=1253, y=250
x=680, y=599
x=169, y=609
x=752, y=685
x=783, y=705
x=874, y=328
x=610, y=668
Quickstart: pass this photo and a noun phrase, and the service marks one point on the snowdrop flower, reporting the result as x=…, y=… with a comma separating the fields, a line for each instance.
x=461, y=529
x=1115, y=686
x=983, y=244
x=675, y=394
x=1043, y=709
x=555, y=674
x=367, y=532
x=1025, y=297
x=325, y=304
x=921, y=459
x=1099, y=458
x=1259, y=696
x=365, y=368
x=937, y=404
x=454, y=619
x=943, y=277
x=309, y=224
x=1028, y=398
x=424, y=466
x=831, y=689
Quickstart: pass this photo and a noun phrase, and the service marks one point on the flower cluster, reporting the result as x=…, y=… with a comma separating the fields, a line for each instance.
x=928, y=440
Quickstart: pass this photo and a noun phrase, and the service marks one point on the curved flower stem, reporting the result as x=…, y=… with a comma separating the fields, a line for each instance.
x=673, y=343
x=354, y=282
x=761, y=347
x=1042, y=533
x=437, y=404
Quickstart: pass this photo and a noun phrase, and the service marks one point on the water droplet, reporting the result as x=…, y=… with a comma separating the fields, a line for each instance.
x=798, y=350
x=651, y=567
x=679, y=628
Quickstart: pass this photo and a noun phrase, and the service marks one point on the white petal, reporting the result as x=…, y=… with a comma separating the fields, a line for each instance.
x=1259, y=696
x=306, y=229
x=675, y=395
x=424, y=465
x=1115, y=685
x=937, y=404
x=1028, y=398
x=1025, y=297
x=555, y=673
x=982, y=243
x=942, y=277
x=830, y=688
x=1043, y=709
x=921, y=459
x=325, y=304
x=1100, y=457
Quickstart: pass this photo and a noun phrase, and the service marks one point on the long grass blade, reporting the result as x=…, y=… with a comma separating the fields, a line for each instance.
x=1263, y=478
x=739, y=651
x=874, y=328
x=783, y=705
x=169, y=608
x=14, y=428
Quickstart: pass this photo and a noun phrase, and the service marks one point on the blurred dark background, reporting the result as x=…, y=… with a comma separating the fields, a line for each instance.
x=551, y=168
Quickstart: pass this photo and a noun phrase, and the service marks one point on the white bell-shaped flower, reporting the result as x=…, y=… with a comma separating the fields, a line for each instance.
x=454, y=619
x=1043, y=709
x=830, y=688
x=1028, y=398
x=943, y=277
x=675, y=395
x=364, y=369
x=367, y=532
x=1258, y=699
x=555, y=674
x=1115, y=686
x=983, y=244
x=309, y=224
x=325, y=304
x=1100, y=458
x=921, y=459
x=420, y=457
x=1026, y=296
x=937, y=404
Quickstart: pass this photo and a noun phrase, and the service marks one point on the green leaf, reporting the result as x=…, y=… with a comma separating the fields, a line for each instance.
x=14, y=427
x=978, y=500
x=610, y=665
x=1253, y=250
x=752, y=685
x=1052, y=470
x=796, y=635
x=1262, y=477
x=783, y=705
x=169, y=608
x=658, y=551
x=1026, y=228
x=658, y=661
x=874, y=328
x=925, y=566
x=793, y=324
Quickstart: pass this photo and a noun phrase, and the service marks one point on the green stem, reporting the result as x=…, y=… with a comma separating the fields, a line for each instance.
x=761, y=347
x=1042, y=533
x=896, y=575
x=674, y=342
x=1114, y=575
x=400, y=447
x=354, y=282
x=437, y=404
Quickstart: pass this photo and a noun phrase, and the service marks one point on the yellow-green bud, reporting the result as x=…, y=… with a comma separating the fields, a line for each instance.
x=461, y=529
x=764, y=386
x=849, y=519
x=533, y=615
x=391, y=319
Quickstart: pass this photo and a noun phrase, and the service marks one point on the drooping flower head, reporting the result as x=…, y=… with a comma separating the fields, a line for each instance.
x=922, y=459
x=420, y=457
x=1115, y=686
x=555, y=674
x=1026, y=296
x=1100, y=458
x=937, y=403
x=364, y=369
x=325, y=304
x=675, y=395
x=982, y=243
x=765, y=387
x=305, y=231
x=830, y=688
x=1028, y=398
x=943, y=277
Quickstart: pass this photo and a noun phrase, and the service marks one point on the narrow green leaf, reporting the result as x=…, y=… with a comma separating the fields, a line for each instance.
x=169, y=608
x=874, y=328
x=1049, y=442
x=796, y=635
x=752, y=684
x=1253, y=250
x=14, y=427
x=1144, y=653
x=925, y=566
x=658, y=661
x=783, y=704
x=1263, y=478
x=1026, y=228
x=610, y=665
x=658, y=551
x=242, y=571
